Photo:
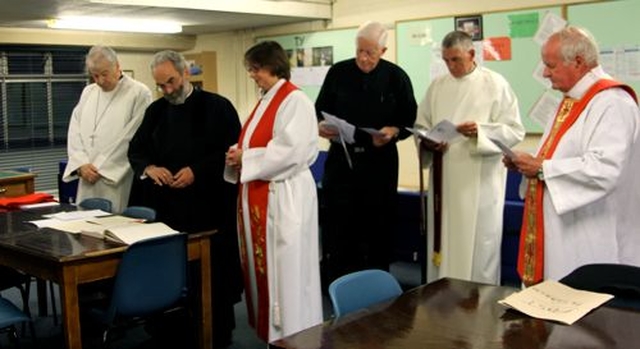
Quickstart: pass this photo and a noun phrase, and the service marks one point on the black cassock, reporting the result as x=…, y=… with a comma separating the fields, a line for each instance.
x=359, y=203
x=195, y=134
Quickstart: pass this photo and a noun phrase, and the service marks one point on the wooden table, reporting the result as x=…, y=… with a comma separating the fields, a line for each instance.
x=16, y=183
x=73, y=259
x=455, y=314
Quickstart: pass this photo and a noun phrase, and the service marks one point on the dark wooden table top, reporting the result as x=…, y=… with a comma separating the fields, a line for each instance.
x=456, y=314
x=19, y=235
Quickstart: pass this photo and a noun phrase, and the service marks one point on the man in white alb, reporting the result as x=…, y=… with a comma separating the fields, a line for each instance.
x=583, y=187
x=101, y=126
x=465, y=241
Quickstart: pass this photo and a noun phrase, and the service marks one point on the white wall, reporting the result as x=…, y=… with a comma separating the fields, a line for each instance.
x=135, y=50
x=234, y=82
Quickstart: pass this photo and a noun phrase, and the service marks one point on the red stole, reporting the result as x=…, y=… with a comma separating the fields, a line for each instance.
x=257, y=197
x=531, y=251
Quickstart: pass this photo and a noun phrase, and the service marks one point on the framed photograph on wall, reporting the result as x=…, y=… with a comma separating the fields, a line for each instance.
x=471, y=25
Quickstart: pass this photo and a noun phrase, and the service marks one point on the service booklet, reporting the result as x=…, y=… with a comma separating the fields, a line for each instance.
x=444, y=131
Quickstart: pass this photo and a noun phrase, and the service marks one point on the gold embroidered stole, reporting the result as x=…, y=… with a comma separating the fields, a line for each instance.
x=258, y=197
x=531, y=251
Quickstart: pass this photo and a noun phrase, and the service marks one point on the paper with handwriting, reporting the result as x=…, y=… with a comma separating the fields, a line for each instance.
x=551, y=300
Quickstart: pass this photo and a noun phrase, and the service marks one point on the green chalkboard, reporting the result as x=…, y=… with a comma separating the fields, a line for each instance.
x=616, y=27
x=417, y=42
x=342, y=42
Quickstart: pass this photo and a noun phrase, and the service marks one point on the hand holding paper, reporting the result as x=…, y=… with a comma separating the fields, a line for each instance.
x=345, y=133
x=444, y=131
x=345, y=129
x=505, y=150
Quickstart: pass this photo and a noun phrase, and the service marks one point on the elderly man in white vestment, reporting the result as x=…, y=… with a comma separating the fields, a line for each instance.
x=583, y=189
x=482, y=105
x=101, y=126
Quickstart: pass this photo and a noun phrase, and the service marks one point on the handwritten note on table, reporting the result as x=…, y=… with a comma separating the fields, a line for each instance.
x=551, y=300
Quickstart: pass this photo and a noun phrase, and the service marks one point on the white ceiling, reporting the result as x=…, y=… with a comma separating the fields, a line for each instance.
x=196, y=16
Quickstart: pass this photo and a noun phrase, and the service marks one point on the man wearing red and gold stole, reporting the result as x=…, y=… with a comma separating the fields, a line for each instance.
x=583, y=189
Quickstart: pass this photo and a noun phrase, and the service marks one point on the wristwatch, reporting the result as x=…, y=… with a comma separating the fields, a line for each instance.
x=540, y=174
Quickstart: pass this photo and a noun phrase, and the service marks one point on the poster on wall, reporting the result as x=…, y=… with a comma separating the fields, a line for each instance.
x=471, y=25
x=310, y=64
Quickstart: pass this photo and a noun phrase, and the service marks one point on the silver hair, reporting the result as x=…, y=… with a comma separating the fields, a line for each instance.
x=99, y=53
x=458, y=39
x=373, y=31
x=177, y=59
x=576, y=41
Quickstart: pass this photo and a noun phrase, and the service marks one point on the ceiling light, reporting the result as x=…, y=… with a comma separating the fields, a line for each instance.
x=114, y=24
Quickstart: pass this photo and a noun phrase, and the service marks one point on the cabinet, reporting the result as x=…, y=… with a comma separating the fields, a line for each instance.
x=15, y=183
x=206, y=67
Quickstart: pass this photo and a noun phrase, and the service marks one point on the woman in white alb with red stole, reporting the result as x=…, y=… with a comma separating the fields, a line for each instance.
x=278, y=208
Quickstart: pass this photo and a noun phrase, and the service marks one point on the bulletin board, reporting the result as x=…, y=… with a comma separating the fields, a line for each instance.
x=615, y=26
x=341, y=41
x=418, y=40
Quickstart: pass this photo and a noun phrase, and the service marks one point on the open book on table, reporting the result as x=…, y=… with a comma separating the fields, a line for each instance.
x=132, y=232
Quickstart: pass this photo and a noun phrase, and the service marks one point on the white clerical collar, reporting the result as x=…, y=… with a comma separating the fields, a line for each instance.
x=583, y=85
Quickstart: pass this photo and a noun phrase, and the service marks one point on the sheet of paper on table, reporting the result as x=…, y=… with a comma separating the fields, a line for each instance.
x=551, y=300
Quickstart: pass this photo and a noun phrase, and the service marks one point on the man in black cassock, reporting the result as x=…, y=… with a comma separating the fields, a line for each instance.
x=360, y=198
x=178, y=156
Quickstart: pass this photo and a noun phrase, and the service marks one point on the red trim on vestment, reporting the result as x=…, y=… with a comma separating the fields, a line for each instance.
x=531, y=251
x=258, y=196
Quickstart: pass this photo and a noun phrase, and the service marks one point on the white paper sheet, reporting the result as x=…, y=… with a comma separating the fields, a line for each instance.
x=551, y=300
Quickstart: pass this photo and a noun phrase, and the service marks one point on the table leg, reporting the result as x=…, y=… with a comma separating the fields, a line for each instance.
x=205, y=325
x=70, y=309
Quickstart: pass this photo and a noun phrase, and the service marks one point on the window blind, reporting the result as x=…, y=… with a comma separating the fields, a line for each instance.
x=39, y=87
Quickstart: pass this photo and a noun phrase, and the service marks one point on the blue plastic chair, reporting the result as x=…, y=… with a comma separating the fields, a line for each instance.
x=10, y=315
x=151, y=278
x=96, y=204
x=361, y=289
x=141, y=212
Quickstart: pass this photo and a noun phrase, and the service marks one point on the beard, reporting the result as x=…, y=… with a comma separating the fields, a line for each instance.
x=178, y=96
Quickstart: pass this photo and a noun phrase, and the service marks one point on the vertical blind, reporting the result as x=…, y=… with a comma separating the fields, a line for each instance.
x=39, y=86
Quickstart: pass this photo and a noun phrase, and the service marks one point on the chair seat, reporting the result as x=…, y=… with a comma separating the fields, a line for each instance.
x=10, y=314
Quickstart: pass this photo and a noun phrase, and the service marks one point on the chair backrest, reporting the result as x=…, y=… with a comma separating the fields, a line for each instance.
x=96, y=204
x=620, y=280
x=142, y=212
x=10, y=314
x=361, y=289
x=317, y=168
x=151, y=277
